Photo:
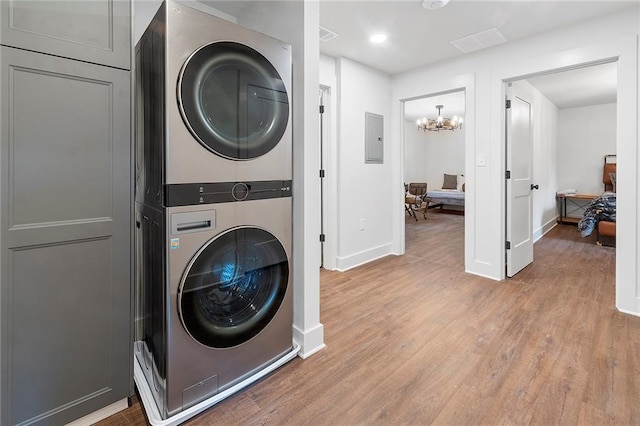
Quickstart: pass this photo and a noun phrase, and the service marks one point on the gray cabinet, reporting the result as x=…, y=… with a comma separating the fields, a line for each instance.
x=65, y=228
x=97, y=31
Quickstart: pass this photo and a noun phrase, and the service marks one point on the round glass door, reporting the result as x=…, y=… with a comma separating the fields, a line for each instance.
x=233, y=287
x=233, y=100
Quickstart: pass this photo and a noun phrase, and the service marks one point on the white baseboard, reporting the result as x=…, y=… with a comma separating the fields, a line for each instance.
x=366, y=256
x=624, y=311
x=540, y=232
x=310, y=341
x=101, y=414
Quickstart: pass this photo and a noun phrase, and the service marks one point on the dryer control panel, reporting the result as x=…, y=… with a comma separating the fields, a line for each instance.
x=191, y=194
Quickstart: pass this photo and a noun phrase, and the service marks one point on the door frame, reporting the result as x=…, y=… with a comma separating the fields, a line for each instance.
x=466, y=83
x=625, y=52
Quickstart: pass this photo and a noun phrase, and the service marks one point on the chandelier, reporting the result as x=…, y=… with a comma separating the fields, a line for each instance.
x=439, y=123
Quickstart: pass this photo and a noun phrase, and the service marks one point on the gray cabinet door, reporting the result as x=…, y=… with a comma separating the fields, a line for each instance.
x=97, y=31
x=65, y=215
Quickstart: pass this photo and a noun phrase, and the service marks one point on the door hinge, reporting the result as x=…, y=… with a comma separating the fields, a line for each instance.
x=321, y=109
x=322, y=238
x=508, y=104
x=507, y=174
x=321, y=173
x=507, y=245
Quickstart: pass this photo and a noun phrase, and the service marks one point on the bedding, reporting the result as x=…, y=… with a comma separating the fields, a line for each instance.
x=601, y=208
x=451, y=197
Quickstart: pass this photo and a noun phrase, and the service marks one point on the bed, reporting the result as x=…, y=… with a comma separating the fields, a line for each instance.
x=600, y=215
x=451, y=194
x=448, y=197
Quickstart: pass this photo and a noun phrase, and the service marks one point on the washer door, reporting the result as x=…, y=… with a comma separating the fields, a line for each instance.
x=233, y=287
x=233, y=100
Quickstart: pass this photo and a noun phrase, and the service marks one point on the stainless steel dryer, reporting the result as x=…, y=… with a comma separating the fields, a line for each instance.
x=227, y=311
x=228, y=89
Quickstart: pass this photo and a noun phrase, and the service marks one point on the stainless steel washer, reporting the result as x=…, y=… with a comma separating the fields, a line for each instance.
x=227, y=312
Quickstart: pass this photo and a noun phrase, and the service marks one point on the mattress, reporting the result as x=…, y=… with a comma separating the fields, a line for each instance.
x=446, y=196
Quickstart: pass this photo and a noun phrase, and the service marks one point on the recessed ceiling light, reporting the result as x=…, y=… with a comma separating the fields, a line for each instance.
x=434, y=4
x=378, y=38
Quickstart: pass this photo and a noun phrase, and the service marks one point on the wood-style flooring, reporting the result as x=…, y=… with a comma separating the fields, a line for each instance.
x=414, y=340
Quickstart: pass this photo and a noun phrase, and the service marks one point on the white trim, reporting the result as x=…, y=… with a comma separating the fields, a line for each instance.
x=490, y=277
x=310, y=341
x=345, y=263
x=542, y=231
x=624, y=311
x=101, y=414
x=151, y=408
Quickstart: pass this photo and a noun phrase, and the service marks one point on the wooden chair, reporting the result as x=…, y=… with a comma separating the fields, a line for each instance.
x=416, y=200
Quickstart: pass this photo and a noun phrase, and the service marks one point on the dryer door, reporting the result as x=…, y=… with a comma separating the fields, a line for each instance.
x=233, y=100
x=233, y=287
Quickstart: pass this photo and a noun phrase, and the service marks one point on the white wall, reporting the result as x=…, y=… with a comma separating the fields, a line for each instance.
x=545, y=141
x=415, y=155
x=364, y=190
x=585, y=136
x=613, y=36
x=429, y=155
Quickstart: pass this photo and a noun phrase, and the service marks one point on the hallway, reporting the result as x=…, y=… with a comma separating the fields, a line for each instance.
x=414, y=340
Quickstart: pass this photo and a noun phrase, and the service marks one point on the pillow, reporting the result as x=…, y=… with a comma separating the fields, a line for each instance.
x=460, y=186
x=612, y=176
x=450, y=182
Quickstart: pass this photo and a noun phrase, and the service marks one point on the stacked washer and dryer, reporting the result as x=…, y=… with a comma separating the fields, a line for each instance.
x=213, y=207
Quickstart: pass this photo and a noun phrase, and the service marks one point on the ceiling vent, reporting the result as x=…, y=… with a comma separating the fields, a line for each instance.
x=481, y=40
x=326, y=34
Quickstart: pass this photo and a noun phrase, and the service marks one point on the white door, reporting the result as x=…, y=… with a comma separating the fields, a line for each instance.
x=322, y=181
x=519, y=169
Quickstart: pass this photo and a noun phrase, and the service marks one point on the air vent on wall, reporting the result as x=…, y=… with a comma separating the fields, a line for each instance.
x=481, y=40
x=326, y=34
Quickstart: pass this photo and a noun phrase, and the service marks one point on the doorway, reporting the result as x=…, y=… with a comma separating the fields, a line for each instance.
x=574, y=132
x=434, y=166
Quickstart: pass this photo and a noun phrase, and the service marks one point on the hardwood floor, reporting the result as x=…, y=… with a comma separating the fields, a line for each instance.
x=414, y=340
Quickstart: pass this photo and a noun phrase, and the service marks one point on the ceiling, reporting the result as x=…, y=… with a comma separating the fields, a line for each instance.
x=592, y=85
x=452, y=105
x=580, y=87
x=417, y=36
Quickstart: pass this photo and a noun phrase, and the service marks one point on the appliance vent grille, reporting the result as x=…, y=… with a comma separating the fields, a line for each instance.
x=481, y=40
x=326, y=34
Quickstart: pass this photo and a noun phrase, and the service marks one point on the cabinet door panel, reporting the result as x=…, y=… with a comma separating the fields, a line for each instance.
x=97, y=31
x=65, y=215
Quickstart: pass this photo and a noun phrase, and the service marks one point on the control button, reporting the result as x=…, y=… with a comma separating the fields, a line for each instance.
x=240, y=191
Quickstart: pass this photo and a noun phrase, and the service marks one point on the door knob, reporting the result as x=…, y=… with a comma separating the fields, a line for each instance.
x=534, y=186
